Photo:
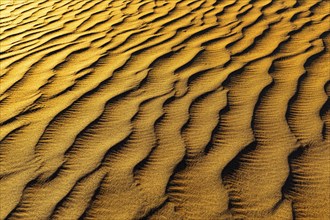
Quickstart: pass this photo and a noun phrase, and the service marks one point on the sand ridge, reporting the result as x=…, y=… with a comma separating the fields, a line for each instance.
x=158, y=109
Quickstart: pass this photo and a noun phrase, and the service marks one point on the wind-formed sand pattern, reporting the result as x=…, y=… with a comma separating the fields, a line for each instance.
x=165, y=109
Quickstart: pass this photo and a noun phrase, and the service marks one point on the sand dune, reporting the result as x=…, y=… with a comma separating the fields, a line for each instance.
x=159, y=109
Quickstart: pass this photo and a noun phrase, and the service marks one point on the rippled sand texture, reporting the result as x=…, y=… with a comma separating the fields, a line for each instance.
x=165, y=109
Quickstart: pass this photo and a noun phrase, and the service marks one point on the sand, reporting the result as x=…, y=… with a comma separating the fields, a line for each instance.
x=164, y=109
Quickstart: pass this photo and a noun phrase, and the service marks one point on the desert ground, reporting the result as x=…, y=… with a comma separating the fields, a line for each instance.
x=165, y=109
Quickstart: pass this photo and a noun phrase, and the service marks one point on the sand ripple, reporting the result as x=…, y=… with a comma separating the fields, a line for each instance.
x=155, y=109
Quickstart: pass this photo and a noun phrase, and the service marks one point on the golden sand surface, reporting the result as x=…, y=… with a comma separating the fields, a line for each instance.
x=164, y=109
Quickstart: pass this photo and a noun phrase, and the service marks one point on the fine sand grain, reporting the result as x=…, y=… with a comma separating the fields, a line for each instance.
x=164, y=109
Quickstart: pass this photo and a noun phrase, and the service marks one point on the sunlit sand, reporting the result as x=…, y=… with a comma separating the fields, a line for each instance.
x=164, y=109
